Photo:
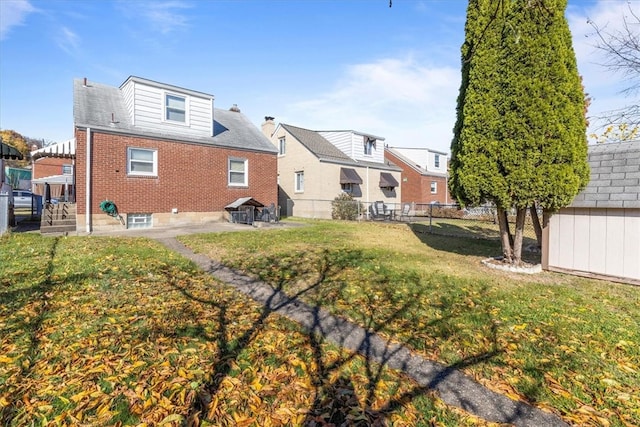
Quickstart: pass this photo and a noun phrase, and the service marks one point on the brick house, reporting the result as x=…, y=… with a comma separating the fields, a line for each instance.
x=164, y=155
x=55, y=165
x=424, y=174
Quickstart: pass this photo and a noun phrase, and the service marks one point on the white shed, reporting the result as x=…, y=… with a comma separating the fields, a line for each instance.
x=598, y=235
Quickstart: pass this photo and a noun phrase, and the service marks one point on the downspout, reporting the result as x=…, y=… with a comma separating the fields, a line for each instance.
x=88, y=184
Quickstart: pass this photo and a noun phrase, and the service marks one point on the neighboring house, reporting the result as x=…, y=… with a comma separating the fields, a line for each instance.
x=163, y=154
x=424, y=174
x=316, y=166
x=55, y=165
x=599, y=233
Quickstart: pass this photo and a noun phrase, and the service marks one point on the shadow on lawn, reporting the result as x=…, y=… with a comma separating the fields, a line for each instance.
x=36, y=296
x=335, y=401
x=469, y=240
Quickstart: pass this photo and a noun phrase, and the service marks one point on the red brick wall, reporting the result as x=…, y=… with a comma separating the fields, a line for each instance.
x=416, y=187
x=47, y=166
x=192, y=178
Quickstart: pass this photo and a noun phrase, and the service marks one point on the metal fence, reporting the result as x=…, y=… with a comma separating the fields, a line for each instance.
x=478, y=222
x=4, y=213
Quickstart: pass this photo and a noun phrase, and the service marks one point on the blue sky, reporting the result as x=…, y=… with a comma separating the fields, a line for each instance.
x=319, y=64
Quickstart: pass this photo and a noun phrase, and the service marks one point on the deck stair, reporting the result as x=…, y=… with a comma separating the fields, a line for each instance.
x=58, y=218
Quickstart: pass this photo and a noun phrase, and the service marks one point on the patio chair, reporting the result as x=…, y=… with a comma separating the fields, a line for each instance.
x=378, y=210
x=406, y=208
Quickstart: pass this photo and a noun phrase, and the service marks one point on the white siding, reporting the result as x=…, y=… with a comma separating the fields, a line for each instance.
x=352, y=144
x=598, y=241
x=127, y=93
x=425, y=158
x=342, y=140
x=148, y=112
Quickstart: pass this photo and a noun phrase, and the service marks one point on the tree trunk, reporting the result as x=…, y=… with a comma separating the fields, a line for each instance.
x=536, y=224
x=505, y=236
x=521, y=214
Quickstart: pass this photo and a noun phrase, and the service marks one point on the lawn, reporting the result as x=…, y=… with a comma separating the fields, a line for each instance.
x=563, y=343
x=110, y=331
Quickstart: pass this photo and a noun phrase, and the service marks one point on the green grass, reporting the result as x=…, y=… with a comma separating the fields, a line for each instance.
x=562, y=343
x=106, y=331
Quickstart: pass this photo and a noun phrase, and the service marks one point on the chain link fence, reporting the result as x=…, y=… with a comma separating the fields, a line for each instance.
x=450, y=220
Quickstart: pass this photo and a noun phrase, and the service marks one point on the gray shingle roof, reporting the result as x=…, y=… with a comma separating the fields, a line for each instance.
x=102, y=107
x=615, y=177
x=326, y=151
x=317, y=144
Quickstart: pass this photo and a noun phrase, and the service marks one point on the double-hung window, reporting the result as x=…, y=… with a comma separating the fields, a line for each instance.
x=175, y=108
x=436, y=161
x=283, y=146
x=238, y=172
x=369, y=145
x=434, y=187
x=299, y=182
x=142, y=161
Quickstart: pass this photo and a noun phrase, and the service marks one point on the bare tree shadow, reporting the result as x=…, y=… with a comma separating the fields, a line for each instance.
x=302, y=294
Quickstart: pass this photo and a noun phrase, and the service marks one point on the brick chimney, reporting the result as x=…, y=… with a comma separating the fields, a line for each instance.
x=269, y=126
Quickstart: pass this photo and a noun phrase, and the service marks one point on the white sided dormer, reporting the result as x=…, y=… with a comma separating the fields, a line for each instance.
x=164, y=108
x=357, y=145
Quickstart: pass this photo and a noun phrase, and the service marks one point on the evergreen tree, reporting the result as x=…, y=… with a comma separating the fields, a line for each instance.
x=520, y=134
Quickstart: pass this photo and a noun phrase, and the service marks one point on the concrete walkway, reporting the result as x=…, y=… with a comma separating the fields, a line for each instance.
x=453, y=387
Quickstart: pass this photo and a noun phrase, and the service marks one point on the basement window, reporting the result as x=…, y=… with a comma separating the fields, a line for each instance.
x=139, y=220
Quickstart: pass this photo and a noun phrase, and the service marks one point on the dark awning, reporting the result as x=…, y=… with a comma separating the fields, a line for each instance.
x=244, y=201
x=349, y=176
x=387, y=180
x=9, y=152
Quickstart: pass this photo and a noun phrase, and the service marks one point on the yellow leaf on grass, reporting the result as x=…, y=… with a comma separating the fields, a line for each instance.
x=172, y=418
x=5, y=359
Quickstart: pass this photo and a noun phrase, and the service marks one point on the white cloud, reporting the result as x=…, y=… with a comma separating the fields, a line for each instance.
x=407, y=102
x=68, y=41
x=12, y=14
x=163, y=16
x=602, y=85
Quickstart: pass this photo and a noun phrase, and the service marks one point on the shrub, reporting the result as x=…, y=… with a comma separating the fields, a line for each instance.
x=344, y=206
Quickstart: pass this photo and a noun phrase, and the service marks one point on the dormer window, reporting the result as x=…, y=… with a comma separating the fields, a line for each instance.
x=175, y=108
x=369, y=145
x=436, y=161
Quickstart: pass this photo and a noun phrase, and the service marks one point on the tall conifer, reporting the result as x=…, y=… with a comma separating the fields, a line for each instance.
x=520, y=134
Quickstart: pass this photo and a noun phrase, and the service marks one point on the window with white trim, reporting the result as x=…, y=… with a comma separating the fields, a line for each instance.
x=175, y=108
x=434, y=187
x=67, y=169
x=436, y=160
x=142, y=161
x=283, y=146
x=299, y=182
x=238, y=172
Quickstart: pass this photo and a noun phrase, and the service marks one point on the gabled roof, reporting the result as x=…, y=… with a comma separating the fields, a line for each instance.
x=326, y=151
x=102, y=107
x=411, y=164
x=317, y=144
x=615, y=177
